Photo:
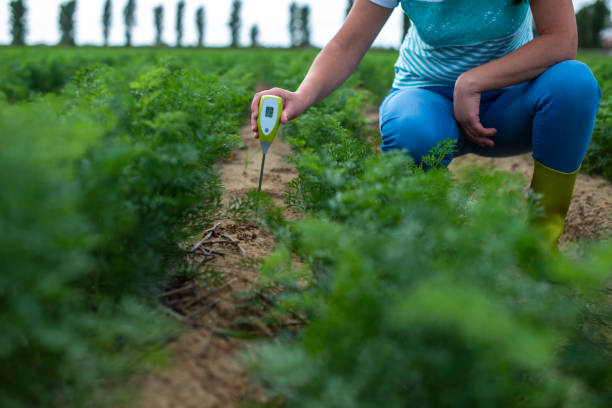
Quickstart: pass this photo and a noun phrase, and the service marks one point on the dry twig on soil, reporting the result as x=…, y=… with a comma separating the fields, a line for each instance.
x=201, y=311
x=211, y=292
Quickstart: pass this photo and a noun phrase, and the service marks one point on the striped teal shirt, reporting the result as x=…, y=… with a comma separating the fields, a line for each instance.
x=449, y=37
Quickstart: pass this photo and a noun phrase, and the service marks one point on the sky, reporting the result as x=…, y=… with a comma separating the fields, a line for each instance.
x=271, y=16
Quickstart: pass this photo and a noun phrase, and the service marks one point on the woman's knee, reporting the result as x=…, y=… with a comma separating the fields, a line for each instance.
x=415, y=120
x=565, y=101
x=415, y=135
x=571, y=82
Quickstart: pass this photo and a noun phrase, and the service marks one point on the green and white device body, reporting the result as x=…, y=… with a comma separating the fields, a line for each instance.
x=268, y=122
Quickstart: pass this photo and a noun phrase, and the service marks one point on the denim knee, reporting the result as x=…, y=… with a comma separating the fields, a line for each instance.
x=572, y=82
x=564, y=101
x=413, y=134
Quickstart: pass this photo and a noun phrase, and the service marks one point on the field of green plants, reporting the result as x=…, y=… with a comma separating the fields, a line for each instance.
x=420, y=288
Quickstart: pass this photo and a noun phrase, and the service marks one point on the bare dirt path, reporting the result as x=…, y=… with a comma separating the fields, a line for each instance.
x=241, y=170
x=204, y=371
x=590, y=214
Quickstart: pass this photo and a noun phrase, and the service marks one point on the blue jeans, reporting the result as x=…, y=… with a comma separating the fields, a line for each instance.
x=552, y=115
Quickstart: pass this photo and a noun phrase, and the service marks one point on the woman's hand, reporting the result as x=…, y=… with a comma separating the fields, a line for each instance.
x=467, y=109
x=293, y=106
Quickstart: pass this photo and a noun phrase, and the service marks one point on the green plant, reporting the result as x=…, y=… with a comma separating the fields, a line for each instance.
x=260, y=208
x=235, y=22
x=158, y=13
x=60, y=335
x=106, y=20
x=66, y=22
x=129, y=19
x=597, y=160
x=426, y=289
x=101, y=184
x=200, y=21
x=246, y=161
x=591, y=20
x=180, y=15
x=427, y=293
x=18, y=22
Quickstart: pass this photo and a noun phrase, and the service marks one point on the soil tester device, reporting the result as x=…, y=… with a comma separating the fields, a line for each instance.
x=268, y=122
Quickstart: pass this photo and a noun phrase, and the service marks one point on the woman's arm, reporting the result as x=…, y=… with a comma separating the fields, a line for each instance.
x=558, y=41
x=334, y=64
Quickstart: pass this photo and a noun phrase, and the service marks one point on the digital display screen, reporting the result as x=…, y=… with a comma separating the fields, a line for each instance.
x=269, y=112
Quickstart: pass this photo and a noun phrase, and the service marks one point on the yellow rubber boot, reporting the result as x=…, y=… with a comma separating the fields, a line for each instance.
x=555, y=188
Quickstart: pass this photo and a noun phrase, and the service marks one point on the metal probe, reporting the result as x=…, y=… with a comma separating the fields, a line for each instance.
x=268, y=122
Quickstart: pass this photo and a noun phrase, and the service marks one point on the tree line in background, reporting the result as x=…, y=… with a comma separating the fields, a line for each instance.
x=299, y=25
x=67, y=23
x=591, y=19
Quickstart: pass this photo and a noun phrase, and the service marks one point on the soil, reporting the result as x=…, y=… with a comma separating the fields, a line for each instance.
x=241, y=170
x=205, y=372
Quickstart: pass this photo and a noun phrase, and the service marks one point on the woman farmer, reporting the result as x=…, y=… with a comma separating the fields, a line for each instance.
x=470, y=70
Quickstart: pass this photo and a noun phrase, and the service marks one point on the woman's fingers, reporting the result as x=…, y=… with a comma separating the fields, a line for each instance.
x=281, y=93
x=293, y=106
x=483, y=135
x=482, y=141
x=254, y=125
x=284, y=117
x=254, y=113
x=475, y=132
x=467, y=109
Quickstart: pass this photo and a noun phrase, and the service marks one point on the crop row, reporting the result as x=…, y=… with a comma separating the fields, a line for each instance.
x=100, y=183
x=27, y=72
x=426, y=289
x=598, y=159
